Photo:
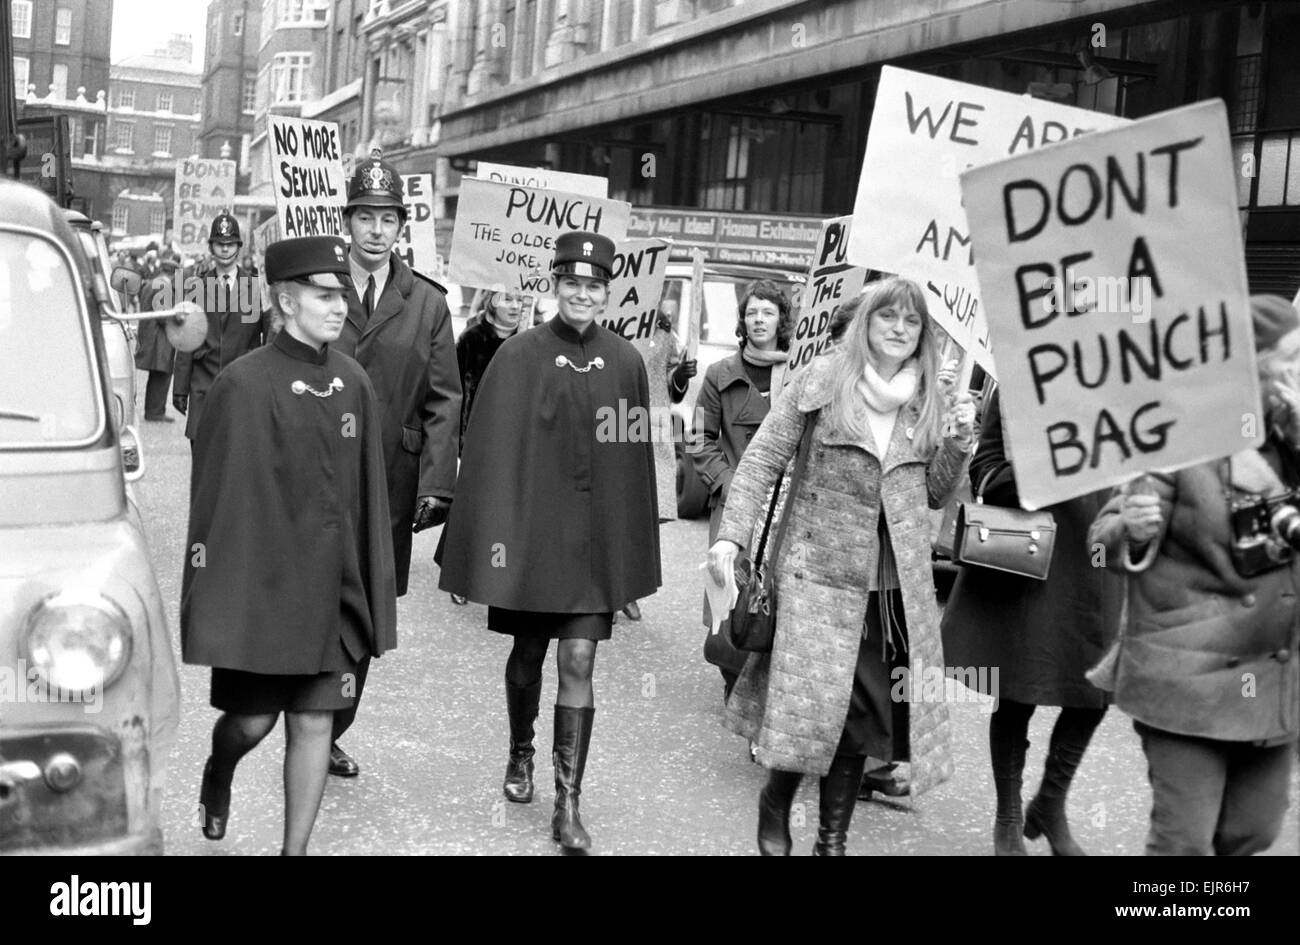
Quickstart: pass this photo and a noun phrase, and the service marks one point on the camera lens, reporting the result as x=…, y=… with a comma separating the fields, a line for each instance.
x=1285, y=524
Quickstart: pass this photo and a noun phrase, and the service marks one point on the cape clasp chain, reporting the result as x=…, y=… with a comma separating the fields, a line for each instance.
x=598, y=363
x=302, y=387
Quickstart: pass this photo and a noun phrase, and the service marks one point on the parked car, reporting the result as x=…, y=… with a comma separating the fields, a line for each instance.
x=89, y=699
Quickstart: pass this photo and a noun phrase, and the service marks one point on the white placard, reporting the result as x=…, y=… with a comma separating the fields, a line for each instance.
x=417, y=243
x=307, y=176
x=832, y=281
x=543, y=178
x=204, y=188
x=639, y=270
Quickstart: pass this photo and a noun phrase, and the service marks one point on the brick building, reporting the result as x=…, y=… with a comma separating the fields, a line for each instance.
x=230, y=81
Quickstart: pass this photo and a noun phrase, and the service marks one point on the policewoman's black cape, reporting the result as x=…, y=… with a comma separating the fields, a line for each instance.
x=549, y=516
x=288, y=534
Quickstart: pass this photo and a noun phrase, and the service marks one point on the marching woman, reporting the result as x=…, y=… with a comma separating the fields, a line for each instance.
x=856, y=602
x=494, y=317
x=1043, y=636
x=555, y=526
x=289, y=578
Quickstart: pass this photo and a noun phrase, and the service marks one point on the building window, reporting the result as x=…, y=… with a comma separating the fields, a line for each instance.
x=60, y=83
x=63, y=26
x=289, y=78
x=249, y=94
x=119, y=218
x=22, y=14
x=237, y=23
x=90, y=140
x=162, y=140
x=22, y=71
x=157, y=219
x=301, y=12
x=164, y=101
x=124, y=136
x=126, y=98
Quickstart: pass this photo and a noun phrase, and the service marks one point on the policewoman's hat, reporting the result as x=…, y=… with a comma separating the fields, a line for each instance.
x=376, y=183
x=578, y=253
x=225, y=229
x=320, y=260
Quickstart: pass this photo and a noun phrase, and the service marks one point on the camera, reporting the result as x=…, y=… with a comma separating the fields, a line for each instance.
x=1265, y=533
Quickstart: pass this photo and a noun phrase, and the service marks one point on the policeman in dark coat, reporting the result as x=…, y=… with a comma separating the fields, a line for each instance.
x=288, y=578
x=154, y=353
x=555, y=525
x=230, y=296
x=399, y=328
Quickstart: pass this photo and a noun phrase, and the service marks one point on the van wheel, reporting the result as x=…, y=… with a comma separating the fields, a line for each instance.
x=692, y=493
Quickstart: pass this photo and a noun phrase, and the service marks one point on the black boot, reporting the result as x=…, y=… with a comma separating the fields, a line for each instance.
x=839, y=794
x=214, y=802
x=572, y=738
x=1046, y=814
x=774, y=812
x=1007, y=746
x=521, y=706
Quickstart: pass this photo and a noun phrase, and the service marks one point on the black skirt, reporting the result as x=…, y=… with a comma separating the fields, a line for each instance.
x=548, y=626
x=245, y=693
x=877, y=724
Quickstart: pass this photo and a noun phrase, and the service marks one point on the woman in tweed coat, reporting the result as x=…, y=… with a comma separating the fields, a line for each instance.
x=854, y=585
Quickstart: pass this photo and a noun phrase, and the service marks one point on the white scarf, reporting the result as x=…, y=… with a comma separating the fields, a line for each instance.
x=884, y=398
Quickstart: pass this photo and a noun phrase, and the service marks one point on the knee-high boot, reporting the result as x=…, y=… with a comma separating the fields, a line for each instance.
x=774, y=802
x=521, y=705
x=1007, y=746
x=1046, y=813
x=572, y=738
x=839, y=795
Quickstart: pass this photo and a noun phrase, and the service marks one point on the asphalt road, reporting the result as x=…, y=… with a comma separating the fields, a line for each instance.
x=664, y=776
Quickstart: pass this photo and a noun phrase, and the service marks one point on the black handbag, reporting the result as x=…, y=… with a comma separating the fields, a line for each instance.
x=752, y=624
x=1009, y=540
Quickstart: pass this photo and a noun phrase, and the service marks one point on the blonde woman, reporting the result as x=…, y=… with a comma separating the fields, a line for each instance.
x=856, y=593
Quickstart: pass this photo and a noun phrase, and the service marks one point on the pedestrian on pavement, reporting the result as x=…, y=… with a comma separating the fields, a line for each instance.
x=1207, y=662
x=494, y=317
x=399, y=329
x=857, y=609
x=154, y=353
x=555, y=527
x=289, y=578
x=236, y=323
x=733, y=400
x=1043, y=636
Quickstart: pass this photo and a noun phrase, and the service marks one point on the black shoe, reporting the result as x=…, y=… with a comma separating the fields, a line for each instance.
x=341, y=763
x=839, y=794
x=162, y=418
x=633, y=610
x=214, y=804
x=883, y=780
x=458, y=600
x=1006, y=838
x=774, y=812
x=1046, y=818
x=521, y=706
x=572, y=738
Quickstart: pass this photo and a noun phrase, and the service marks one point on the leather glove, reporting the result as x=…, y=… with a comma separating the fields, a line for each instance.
x=431, y=512
x=181, y=402
x=686, y=369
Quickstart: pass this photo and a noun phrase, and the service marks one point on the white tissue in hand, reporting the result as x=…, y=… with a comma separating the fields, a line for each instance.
x=721, y=599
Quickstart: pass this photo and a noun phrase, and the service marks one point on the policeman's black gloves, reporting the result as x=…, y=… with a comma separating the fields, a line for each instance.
x=181, y=402
x=430, y=513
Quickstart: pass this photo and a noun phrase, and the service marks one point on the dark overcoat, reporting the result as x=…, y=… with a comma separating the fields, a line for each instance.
x=556, y=508
x=408, y=350
x=236, y=325
x=1041, y=636
x=474, y=351
x=153, y=351
x=288, y=533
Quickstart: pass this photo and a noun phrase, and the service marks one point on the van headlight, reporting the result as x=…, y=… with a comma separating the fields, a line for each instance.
x=119, y=408
x=78, y=641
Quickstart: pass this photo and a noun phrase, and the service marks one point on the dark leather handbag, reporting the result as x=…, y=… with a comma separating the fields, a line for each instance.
x=1010, y=540
x=752, y=624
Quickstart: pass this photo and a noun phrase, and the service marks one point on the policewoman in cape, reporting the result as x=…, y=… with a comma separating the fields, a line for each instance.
x=288, y=580
x=399, y=329
x=555, y=527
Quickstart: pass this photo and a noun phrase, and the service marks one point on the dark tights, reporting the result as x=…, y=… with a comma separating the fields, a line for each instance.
x=575, y=659
x=306, y=763
x=1008, y=729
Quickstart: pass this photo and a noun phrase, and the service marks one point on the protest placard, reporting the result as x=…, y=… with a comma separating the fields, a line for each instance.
x=264, y=234
x=908, y=217
x=417, y=243
x=1125, y=347
x=307, y=176
x=505, y=234
x=543, y=178
x=832, y=281
x=204, y=188
x=639, y=270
